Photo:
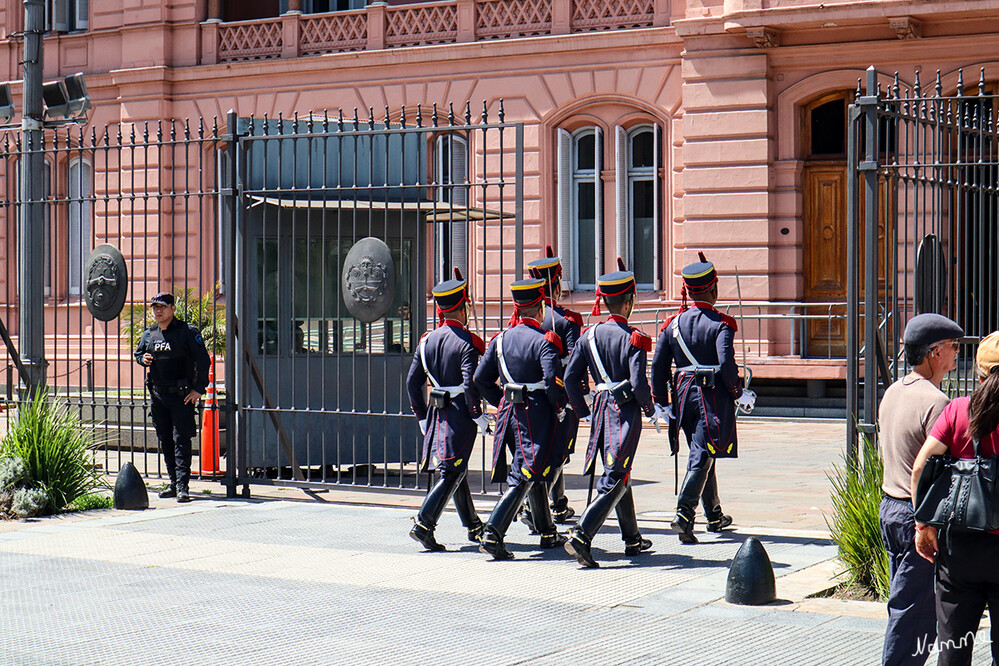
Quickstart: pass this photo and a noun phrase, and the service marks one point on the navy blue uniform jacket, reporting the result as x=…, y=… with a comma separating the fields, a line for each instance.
x=566, y=324
x=706, y=415
x=453, y=353
x=528, y=429
x=614, y=430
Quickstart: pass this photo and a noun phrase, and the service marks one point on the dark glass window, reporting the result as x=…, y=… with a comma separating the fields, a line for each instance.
x=585, y=152
x=828, y=128
x=643, y=149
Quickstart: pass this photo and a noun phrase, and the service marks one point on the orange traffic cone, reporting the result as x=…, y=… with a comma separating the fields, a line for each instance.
x=210, y=429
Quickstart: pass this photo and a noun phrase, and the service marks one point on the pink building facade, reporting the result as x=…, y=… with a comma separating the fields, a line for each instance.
x=653, y=128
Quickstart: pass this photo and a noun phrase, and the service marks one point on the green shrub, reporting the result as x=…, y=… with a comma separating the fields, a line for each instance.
x=202, y=312
x=11, y=472
x=855, y=526
x=29, y=502
x=94, y=501
x=54, y=447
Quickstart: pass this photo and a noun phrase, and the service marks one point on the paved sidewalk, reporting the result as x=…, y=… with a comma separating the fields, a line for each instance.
x=328, y=578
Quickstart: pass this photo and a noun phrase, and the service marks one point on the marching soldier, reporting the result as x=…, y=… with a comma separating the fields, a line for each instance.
x=175, y=354
x=446, y=357
x=615, y=354
x=531, y=400
x=567, y=324
x=706, y=386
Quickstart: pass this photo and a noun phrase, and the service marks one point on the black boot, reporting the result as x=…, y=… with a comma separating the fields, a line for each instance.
x=500, y=519
x=686, y=503
x=168, y=492
x=425, y=535
x=466, y=511
x=183, y=494
x=537, y=499
x=433, y=505
x=589, y=524
x=525, y=516
x=634, y=544
x=717, y=521
x=561, y=511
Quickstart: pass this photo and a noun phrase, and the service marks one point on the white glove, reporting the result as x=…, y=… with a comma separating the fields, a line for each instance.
x=423, y=426
x=588, y=399
x=485, y=427
x=746, y=402
x=660, y=414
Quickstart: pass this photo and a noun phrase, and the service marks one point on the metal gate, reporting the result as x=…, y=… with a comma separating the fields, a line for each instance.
x=251, y=223
x=923, y=227
x=320, y=343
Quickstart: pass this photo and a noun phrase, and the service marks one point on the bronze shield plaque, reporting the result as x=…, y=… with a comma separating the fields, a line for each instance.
x=105, y=280
x=368, y=280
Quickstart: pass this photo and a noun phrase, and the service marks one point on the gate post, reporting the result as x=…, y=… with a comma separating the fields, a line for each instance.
x=852, y=301
x=869, y=167
x=229, y=204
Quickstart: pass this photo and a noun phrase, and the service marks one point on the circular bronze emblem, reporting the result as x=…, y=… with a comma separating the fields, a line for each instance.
x=105, y=282
x=368, y=280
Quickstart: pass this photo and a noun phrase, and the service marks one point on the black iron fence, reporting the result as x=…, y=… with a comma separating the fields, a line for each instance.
x=151, y=191
x=923, y=227
x=264, y=230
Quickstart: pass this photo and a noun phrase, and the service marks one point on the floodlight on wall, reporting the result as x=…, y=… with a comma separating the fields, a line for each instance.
x=6, y=104
x=56, y=100
x=79, y=100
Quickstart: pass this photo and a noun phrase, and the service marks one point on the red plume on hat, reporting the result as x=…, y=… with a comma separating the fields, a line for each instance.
x=701, y=257
x=620, y=264
x=457, y=274
x=549, y=252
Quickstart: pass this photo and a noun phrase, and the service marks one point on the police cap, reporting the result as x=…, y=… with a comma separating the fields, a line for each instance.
x=699, y=276
x=162, y=298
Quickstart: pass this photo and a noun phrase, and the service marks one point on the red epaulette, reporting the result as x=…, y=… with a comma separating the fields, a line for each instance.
x=426, y=333
x=552, y=337
x=478, y=343
x=667, y=322
x=574, y=317
x=495, y=334
x=729, y=321
x=640, y=340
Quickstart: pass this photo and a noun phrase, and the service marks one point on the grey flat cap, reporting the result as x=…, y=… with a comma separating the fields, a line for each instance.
x=930, y=328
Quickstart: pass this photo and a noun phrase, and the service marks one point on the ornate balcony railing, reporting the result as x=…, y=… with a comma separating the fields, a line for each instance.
x=380, y=26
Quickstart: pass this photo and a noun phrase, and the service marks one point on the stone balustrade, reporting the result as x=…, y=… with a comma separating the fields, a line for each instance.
x=381, y=26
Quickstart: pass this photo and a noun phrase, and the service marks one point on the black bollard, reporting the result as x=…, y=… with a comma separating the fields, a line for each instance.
x=129, y=489
x=751, y=576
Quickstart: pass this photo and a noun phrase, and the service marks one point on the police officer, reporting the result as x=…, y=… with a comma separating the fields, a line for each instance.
x=175, y=354
x=524, y=359
x=567, y=324
x=615, y=354
x=699, y=340
x=446, y=358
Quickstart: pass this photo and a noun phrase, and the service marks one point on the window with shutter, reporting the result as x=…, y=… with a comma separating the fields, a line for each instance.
x=623, y=223
x=80, y=210
x=639, y=210
x=564, y=210
x=585, y=217
x=451, y=176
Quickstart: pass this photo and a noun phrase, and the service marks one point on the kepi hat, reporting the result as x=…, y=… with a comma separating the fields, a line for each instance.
x=619, y=283
x=698, y=278
x=548, y=269
x=450, y=295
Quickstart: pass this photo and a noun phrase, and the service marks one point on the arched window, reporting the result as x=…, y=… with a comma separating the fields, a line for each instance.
x=580, y=206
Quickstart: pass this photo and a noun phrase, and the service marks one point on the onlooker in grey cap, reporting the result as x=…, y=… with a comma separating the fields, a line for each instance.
x=908, y=411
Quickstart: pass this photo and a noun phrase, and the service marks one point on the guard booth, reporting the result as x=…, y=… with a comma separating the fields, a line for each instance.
x=340, y=228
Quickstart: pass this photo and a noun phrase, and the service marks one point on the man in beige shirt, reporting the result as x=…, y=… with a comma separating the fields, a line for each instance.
x=908, y=411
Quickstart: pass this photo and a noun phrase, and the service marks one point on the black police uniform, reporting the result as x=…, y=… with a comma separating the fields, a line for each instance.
x=530, y=401
x=447, y=357
x=706, y=388
x=622, y=396
x=180, y=365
